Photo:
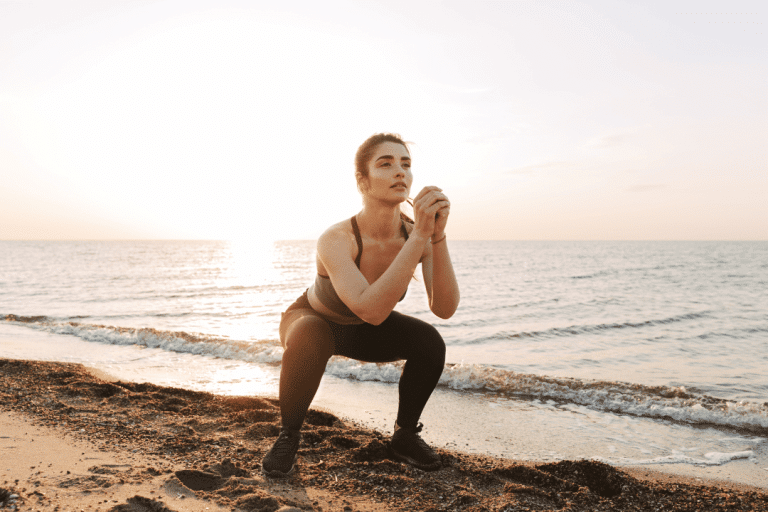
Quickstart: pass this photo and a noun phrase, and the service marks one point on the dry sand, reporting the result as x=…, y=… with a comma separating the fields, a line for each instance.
x=72, y=440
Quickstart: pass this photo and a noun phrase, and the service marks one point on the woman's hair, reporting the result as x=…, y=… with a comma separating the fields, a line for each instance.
x=365, y=153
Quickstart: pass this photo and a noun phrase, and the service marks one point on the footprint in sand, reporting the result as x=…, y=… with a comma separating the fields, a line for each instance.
x=141, y=504
x=200, y=480
x=253, y=498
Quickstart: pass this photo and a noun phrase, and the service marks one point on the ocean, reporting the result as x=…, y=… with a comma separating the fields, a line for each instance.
x=639, y=353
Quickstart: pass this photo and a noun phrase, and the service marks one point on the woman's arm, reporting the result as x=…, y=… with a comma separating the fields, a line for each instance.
x=372, y=302
x=439, y=279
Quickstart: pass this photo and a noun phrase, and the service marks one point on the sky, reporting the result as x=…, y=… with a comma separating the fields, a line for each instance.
x=541, y=120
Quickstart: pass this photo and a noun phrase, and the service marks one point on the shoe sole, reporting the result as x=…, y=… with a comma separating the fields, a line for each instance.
x=279, y=474
x=413, y=462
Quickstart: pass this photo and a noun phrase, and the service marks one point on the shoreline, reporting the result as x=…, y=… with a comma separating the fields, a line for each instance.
x=121, y=446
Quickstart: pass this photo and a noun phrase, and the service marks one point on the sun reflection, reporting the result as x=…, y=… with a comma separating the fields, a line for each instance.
x=249, y=290
x=244, y=380
x=251, y=262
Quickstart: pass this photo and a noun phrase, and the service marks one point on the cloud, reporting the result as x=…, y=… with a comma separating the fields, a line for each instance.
x=610, y=141
x=645, y=187
x=561, y=165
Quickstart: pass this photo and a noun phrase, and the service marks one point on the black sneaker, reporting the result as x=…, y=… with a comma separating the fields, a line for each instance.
x=409, y=447
x=280, y=459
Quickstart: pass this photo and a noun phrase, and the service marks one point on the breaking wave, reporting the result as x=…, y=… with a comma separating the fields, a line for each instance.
x=175, y=341
x=658, y=402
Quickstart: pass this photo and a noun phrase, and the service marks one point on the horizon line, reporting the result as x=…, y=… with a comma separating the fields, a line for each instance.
x=315, y=239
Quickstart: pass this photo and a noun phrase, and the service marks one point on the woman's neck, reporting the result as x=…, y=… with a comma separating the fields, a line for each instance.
x=380, y=221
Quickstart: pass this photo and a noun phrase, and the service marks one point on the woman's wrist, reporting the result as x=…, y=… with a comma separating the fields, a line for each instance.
x=437, y=238
x=418, y=236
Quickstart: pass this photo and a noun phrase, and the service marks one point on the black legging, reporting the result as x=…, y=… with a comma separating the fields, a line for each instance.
x=310, y=340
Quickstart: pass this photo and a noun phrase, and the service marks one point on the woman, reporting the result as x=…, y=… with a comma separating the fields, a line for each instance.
x=364, y=265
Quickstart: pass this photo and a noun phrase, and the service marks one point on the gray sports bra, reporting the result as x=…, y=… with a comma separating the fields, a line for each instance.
x=323, y=287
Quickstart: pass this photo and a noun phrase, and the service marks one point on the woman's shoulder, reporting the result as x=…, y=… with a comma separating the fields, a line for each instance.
x=339, y=234
x=342, y=228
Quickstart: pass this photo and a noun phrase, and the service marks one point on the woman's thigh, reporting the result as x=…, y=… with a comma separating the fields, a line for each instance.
x=292, y=317
x=398, y=337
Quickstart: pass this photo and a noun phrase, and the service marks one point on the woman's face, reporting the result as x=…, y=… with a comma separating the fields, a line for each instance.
x=389, y=173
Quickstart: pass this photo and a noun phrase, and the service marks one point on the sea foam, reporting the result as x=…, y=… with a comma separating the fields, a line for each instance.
x=658, y=402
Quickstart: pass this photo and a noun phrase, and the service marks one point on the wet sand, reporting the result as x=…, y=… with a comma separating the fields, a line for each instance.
x=72, y=439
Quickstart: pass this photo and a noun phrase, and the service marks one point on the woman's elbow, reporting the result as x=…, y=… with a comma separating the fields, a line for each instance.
x=373, y=316
x=373, y=319
x=445, y=315
x=376, y=320
x=445, y=311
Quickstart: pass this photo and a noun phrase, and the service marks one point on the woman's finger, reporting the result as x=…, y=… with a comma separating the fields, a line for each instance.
x=425, y=191
x=433, y=209
x=430, y=198
x=422, y=193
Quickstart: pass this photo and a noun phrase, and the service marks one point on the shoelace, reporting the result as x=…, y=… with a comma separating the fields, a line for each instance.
x=417, y=438
x=285, y=444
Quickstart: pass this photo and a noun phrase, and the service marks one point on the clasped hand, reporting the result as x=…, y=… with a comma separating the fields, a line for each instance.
x=431, y=209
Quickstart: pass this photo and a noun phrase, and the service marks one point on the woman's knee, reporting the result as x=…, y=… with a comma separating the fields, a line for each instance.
x=429, y=342
x=310, y=334
x=434, y=343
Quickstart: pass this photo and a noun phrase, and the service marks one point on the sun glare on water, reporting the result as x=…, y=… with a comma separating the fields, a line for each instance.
x=242, y=379
x=251, y=262
x=247, y=277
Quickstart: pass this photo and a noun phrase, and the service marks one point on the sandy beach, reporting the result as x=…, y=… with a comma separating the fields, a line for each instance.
x=74, y=439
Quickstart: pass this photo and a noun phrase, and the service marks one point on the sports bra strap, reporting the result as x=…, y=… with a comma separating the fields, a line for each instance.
x=359, y=240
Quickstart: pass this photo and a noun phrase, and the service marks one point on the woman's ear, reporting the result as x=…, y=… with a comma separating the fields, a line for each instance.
x=362, y=183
